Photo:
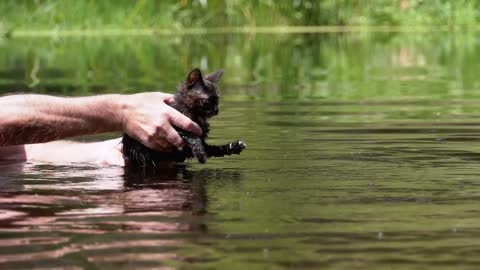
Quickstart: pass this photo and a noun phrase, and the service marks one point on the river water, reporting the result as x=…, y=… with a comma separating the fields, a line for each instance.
x=363, y=153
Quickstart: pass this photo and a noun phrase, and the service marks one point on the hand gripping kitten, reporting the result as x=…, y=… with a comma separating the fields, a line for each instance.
x=196, y=98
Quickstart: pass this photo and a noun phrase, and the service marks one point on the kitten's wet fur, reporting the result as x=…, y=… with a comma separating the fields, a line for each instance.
x=196, y=98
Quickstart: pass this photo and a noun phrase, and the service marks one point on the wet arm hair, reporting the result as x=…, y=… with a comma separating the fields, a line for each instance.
x=40, y=118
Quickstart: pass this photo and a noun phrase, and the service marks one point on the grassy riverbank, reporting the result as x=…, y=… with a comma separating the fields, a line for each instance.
x=126, y=17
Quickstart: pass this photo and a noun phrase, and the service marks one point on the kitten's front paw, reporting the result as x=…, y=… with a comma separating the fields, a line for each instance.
x=237, y=147
x=201, y=157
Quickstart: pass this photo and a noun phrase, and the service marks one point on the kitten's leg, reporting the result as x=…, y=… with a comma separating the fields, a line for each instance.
x=226, y=149
x=196, y=145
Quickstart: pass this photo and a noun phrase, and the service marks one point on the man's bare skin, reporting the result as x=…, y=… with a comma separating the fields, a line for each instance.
x=103, y=153
x=30, y=124
x=63, y=152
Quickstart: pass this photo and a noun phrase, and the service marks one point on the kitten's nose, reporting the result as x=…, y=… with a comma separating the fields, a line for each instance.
x=215, y=111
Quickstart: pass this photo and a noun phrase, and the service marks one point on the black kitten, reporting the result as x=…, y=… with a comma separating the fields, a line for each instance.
x=196, y=98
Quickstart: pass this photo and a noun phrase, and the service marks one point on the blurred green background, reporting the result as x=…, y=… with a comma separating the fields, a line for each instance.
x=91, y=14
x=82, y=47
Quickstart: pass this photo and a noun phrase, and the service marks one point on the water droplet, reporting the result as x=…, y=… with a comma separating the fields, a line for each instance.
x=266, y=252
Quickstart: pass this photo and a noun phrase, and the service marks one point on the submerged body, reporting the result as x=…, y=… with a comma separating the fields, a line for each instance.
x=197, y=99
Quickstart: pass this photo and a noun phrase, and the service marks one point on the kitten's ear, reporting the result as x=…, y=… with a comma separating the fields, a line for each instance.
x=215, y=76
x=194, y=77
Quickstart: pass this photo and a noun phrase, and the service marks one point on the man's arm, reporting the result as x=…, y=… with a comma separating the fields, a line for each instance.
x=39, y=118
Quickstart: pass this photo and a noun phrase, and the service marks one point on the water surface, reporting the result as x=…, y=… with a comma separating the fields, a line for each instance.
x=363, y=153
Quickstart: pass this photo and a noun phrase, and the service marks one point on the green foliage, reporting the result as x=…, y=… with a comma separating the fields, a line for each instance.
x=171, y=14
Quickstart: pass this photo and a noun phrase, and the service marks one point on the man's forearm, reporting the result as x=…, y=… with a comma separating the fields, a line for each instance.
x=40, y=118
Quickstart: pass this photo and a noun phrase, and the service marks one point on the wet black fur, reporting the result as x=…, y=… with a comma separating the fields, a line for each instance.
x=196, y=98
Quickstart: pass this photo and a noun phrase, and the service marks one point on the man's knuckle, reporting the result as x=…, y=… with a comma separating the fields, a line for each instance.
x=174, y=138
x=191, y=125
x=151, y=134
x=161, y=128
x=151, y=138
x=180, y=122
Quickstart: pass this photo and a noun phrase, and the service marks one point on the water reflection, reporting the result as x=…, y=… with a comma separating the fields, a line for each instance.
x=100, y=213
x=262, y=67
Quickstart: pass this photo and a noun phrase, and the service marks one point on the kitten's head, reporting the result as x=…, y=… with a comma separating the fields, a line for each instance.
x=199, y=93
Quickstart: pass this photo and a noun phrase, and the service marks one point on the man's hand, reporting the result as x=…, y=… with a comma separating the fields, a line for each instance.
x=26, y=119
x=147, y=118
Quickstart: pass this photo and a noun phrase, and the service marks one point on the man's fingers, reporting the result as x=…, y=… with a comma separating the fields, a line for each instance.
x=173, y=137
x=181, y=121
x=160, y=145
x=164, y=147
x=169, y=99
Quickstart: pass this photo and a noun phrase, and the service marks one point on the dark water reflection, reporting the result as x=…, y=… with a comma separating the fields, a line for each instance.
x=52, y=214
x=362, y=154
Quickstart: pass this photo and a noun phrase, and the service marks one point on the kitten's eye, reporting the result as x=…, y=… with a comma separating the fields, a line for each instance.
x=206, y=103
